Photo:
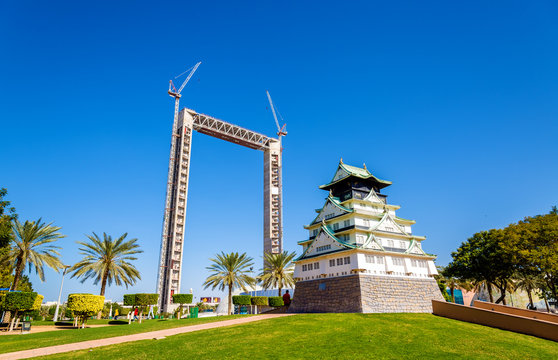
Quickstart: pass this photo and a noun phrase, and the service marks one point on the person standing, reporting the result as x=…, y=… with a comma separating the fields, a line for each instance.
x=287, y=298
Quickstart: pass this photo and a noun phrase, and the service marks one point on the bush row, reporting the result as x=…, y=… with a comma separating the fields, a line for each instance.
x=274, y=301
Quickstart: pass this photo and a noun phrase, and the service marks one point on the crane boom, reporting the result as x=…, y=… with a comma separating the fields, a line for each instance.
x=188, y=78
x=273, y=110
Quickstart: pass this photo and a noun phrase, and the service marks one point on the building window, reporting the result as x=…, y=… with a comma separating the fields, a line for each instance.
x=314, y=232
x=304, y=267
x=389, y=228
x=309, y=267
x=323, y=248
x=331, y=262
x=346, y=223
x=347, y=260
x=369, y=259
x=316, y=265
x=380, y=259
x=413, y=263
x=336, y=226
x=423, y=264
x=397, y=261
x=366, y=222
x=402, y=245
x=339, y=261
x=390, y=243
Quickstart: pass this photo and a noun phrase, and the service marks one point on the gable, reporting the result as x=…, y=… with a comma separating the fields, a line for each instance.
x=323, y=244
x=374, y=198
x=415, y=249
x=339, y=174
x=329, y=211
x=388, y=224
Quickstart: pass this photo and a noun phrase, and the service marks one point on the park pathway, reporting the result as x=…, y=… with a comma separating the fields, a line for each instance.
x=24, y=354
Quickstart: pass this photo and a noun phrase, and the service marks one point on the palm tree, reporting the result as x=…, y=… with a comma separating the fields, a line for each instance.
x=29, y=248
x=107, y=261
x=230, y=270
x=278, y=271
x=454, y=283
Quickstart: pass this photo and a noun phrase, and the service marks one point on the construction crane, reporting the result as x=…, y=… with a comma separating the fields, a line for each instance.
x=280, y=130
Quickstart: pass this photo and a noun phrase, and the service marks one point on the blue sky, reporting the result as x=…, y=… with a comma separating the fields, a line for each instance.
x=454, y=103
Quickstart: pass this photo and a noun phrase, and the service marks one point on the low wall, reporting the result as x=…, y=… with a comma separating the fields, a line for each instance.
x=539, y=328
x=517, y=311
x=365, y=294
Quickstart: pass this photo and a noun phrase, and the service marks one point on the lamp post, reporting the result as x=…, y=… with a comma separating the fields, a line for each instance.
x=55, y=318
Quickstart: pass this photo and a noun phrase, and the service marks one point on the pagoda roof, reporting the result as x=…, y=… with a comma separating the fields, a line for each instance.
x=335, y=202
x=345, y=171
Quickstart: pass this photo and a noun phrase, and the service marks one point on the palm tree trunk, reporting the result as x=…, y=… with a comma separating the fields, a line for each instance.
x=489, y=289
x=452, y=294
x=103, y=287
x=546, y=303
x=279, y=290
x=230, y=299
x=530, y=298
x=18, y=271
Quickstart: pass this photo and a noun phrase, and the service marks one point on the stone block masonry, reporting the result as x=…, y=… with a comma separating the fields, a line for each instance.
x=365, y=294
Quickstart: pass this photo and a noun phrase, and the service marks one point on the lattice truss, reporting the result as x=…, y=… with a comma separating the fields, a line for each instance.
x=221, y=129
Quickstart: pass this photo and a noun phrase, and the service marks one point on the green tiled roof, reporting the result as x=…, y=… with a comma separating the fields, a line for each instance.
x=362, y=173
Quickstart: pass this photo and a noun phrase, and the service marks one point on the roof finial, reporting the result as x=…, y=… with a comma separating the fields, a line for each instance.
x=341, y=161
x=364, y=165
x=330, y=192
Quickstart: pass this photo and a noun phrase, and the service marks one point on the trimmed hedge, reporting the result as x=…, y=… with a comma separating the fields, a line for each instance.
x=183, y=298
x=260, y=300
x=85, y=305
x=146, y=299
x=276, y=301
x=129, y=299
x=20, y=301
x=241, y=300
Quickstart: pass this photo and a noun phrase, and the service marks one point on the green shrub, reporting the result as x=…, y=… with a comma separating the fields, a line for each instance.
x=276, y=301
x=146, y=299
x=241, y=300
x=20, y=301
x=83, y=306
x=182, y=298
x=129, y=299
x=260, y=300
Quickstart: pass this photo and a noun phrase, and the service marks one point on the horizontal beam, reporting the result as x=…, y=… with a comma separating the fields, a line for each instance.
x=229, y=132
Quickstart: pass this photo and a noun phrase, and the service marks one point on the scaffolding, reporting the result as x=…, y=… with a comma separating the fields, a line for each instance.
x=171, y=253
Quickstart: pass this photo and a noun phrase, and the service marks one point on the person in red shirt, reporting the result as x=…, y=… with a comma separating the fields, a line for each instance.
x=287, y=298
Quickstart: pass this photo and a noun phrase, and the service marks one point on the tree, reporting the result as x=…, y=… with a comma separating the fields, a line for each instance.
x=20, y=301
x=483, y=258
x=533, y=246
x=528, y=283
x=453, y=283
x=182, y=299
x=84, y=305
x=278, y=271
x=107, y=261
x=29, y=247
x=230, y=271
x=7, y=215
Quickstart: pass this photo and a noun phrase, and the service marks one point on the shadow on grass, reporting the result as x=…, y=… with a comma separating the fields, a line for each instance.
x=118, y=322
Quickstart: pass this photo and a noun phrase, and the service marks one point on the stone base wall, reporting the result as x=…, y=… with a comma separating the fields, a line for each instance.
x=365, y=294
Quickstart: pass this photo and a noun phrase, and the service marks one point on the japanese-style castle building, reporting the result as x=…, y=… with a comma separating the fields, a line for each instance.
x=361, y=257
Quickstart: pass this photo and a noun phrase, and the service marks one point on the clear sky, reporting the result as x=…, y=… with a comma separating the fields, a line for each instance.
x=456, y=103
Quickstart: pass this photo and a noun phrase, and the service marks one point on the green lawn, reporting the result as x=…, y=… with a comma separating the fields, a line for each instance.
x=337, y=336
x=9, y=343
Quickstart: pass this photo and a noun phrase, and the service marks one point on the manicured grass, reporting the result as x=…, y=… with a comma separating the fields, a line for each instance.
x=9, y=343
x=337, y=336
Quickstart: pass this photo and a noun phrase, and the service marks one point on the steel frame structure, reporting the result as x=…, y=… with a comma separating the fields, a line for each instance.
x=172, y=240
